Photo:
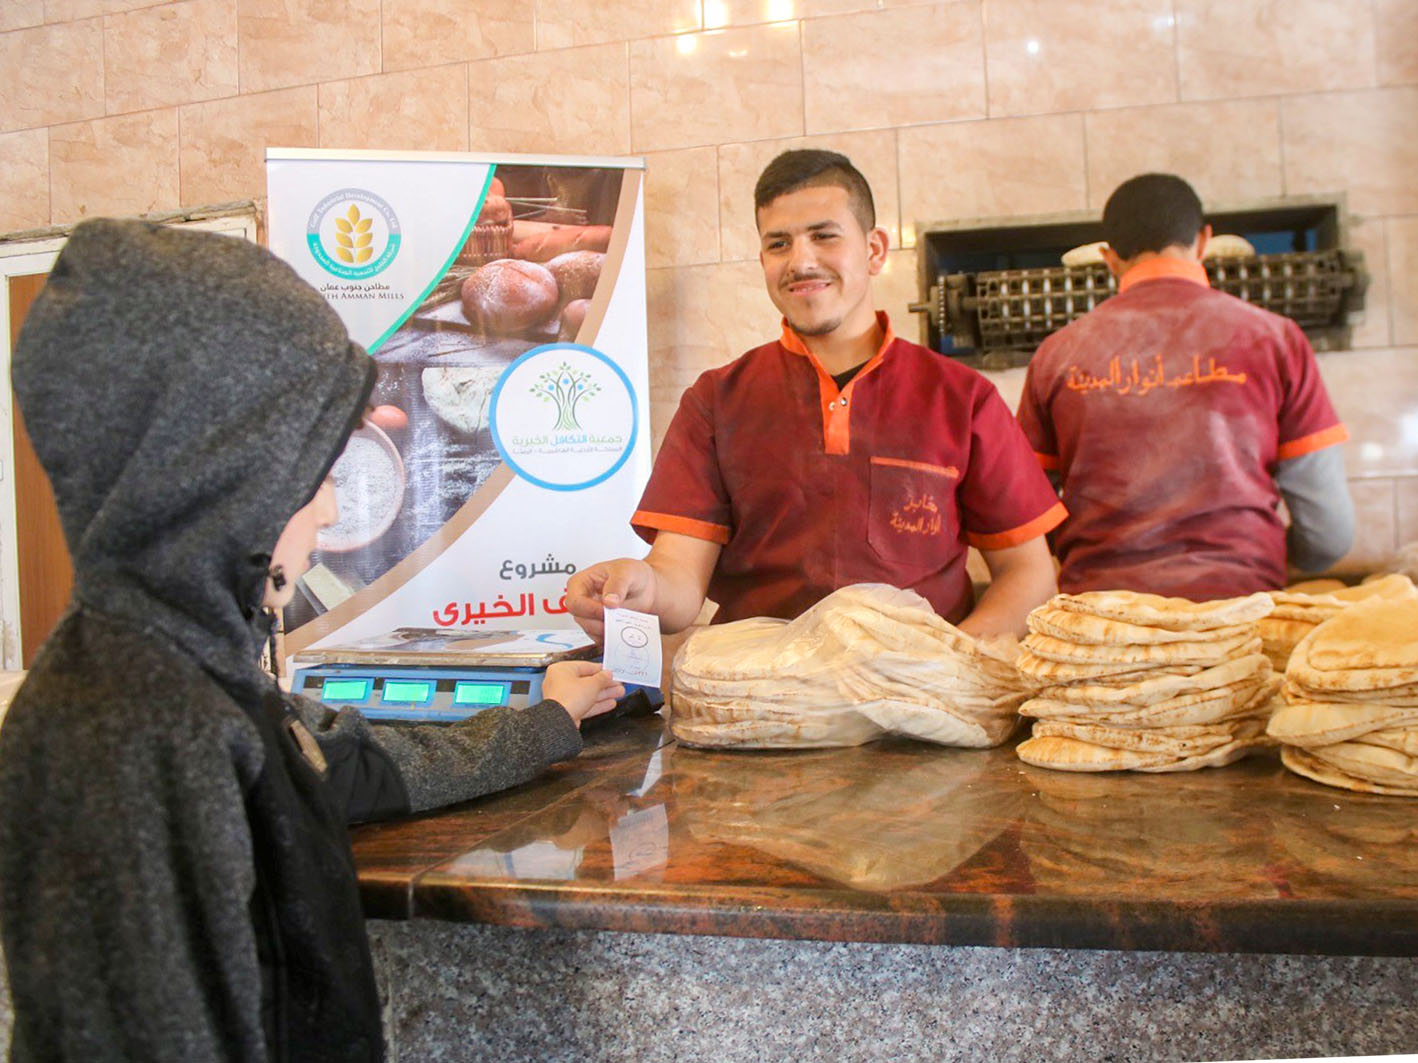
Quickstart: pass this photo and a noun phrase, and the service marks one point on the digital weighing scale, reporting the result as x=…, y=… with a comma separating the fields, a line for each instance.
x=443, y=675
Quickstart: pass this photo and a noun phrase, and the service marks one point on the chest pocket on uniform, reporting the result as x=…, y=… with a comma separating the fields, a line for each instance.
x=911, y=515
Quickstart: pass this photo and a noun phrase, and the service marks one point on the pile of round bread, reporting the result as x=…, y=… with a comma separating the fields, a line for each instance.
x=865, y=661
x=1350, y=713
x=510, y=296
x=1300, y=608
x=1133, y=681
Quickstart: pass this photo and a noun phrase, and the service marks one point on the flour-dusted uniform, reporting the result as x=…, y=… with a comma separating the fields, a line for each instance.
x=810, y=488
x=1165, y=411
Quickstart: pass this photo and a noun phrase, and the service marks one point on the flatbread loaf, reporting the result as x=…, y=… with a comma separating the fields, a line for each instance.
x=1401, y=739
x=1150, y=687
x=1087, y=629
x=1252, y=698
x=1070, y=754
x=1392, y=585
x=1174, y=614
x=1179, y=741
x=1362, y=650
x=1313, y=724
x=1313, y=586
x=1373, y=636
x=1305, y=614
x=1305, y=762
x=709, y=726
x=1284, y=630
x=1397, y=697
x=1377, y=764
x=1280, y=635
x=1060, y=673
x=1165, y=653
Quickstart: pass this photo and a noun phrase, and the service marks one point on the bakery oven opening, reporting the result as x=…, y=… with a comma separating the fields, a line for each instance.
x=991, y=290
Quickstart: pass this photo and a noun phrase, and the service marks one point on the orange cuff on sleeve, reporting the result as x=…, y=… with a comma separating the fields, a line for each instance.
x=1047, y=462
x=1294, y=448
x=1047, y=521
x=695, y=529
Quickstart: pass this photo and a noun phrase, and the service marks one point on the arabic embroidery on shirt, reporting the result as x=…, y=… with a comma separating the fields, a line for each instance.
x=919, y=516
x=1136, y=382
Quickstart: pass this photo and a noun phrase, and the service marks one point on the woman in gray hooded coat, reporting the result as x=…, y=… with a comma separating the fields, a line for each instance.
x=176, y=882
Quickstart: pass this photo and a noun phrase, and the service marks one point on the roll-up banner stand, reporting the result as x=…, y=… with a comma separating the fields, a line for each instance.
x=503, y=301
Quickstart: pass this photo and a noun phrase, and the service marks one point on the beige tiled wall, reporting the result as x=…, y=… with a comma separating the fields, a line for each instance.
x=956, y=109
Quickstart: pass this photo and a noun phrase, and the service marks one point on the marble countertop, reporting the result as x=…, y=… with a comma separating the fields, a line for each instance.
x=901, y=841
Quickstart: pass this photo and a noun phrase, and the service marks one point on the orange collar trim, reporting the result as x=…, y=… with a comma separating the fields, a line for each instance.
x=791, y=341
x=1164, y=266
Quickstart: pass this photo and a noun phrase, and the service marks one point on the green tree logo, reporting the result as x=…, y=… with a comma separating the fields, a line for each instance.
x=567, y=388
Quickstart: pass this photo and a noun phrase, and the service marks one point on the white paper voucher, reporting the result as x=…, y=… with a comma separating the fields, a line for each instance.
x=632, y=647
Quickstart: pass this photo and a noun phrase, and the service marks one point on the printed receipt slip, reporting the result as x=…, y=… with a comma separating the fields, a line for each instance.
x=632, y=647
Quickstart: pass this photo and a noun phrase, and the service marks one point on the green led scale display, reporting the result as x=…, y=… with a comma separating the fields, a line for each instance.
x=345, y=689
x=468, y=693
x=407, y=691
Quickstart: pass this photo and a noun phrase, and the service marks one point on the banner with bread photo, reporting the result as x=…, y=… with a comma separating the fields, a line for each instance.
x=502, y=299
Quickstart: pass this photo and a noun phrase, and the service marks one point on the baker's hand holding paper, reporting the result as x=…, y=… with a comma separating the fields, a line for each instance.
x=669, y=583
x=623, y=583
x=582, y=688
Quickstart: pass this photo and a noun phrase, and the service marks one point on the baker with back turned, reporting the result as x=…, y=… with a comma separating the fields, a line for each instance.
x=1176, y=418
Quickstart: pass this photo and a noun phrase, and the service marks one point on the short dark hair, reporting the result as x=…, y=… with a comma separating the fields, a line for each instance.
x=809, y=168
x=1150, y=212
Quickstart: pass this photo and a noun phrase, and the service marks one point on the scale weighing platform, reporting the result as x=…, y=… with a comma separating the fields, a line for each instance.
x=443, y=675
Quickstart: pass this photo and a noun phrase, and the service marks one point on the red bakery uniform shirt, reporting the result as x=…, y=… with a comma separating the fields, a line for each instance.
x=1165, y=410
x=809, y=488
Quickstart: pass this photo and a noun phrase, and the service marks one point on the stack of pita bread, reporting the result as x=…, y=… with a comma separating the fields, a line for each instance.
x=1350, y=717
x=1138, y=681
x=865, y=661
x=1300, y=608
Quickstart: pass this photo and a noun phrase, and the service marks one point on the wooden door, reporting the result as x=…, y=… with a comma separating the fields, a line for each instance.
x=46, y=574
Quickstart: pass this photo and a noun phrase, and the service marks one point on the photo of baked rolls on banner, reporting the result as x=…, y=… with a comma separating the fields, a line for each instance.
x=502, y=299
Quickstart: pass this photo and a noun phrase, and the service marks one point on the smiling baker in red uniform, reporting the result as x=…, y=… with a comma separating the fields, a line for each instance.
x=837, y=454
x=1176, y=418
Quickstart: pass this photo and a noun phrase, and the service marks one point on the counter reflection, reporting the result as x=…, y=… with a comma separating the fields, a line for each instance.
x=886, y=816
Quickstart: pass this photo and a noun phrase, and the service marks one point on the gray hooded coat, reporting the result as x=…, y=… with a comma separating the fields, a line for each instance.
x=175, y=878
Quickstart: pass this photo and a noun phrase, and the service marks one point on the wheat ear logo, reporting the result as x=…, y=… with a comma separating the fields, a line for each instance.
x=565, y=388
x=352, y=236
x=353, y=233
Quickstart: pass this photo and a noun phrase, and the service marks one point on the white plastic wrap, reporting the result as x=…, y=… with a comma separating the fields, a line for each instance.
x=867, y=660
